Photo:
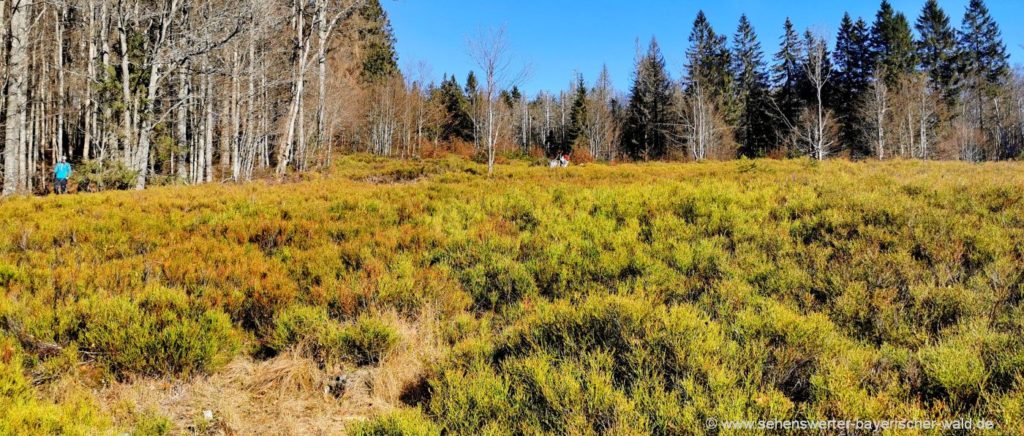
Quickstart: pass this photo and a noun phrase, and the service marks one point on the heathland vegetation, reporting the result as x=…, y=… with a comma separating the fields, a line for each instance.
x=426, y=297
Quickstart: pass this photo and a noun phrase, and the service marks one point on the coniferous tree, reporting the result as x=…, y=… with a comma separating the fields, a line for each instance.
x=786, y=76
x=708, y=61
x=936, y=48
x=379, y=59
x=648, y=126
x=515, y=94
x=472, y=85
x=892, y=43
x=983, y=68
x=854, y=68
x=751, y=92
x=982, y=52
x=457, y=123
x=474, y=106
x=577, y=116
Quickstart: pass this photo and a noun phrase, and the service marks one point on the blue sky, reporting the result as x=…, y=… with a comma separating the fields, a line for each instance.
x=555, y=38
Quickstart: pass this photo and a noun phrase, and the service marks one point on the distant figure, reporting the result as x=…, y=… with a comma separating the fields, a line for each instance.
x=61, y=173
x=561, y=162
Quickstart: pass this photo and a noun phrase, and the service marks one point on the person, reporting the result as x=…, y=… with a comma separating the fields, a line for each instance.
x=564, y=160
x=61, y=173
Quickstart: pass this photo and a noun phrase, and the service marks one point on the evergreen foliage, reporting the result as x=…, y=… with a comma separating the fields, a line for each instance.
x=854, y=69
x=648, y=126
x=892, y=43
x=937, y=48
x=787, y=73
x=982, y=51
x=379, y=58
x=752, y=93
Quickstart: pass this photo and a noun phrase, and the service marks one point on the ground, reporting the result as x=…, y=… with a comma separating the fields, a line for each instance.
x=425, y=296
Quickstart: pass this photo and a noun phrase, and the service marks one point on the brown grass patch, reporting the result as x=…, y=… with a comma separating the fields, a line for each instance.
x=287, y=394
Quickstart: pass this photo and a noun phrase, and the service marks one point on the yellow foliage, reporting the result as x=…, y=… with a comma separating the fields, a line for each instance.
x=592, y=299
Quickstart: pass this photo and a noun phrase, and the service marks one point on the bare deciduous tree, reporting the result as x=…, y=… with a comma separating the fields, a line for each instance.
x=15, y=159
x=491, y=52
x=819, y=136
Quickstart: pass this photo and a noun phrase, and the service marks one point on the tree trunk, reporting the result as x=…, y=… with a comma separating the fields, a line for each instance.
x=60, y=106
x=90, y=75
x=17, y=67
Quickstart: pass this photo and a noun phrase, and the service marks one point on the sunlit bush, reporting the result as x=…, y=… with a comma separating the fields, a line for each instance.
x=598, y=299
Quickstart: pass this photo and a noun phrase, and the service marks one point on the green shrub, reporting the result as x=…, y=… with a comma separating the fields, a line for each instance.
x=95, y=176
x=498, y=283
x=606, y=299
x=8, y=275
x=402, y=422
x=296, y=324
x=955, y=370
x=22, y=413
x=150, y=423
x=130, y=339
x=472, y=401
x=366, y=341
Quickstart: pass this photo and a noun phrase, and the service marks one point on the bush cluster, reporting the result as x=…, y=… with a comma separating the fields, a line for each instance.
x=626, y=299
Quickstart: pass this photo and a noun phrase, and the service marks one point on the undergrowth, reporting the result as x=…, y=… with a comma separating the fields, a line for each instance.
x=598, y=299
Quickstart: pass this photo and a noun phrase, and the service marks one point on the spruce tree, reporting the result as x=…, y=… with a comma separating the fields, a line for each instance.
x=457, y=124
x=982, y=52
x=646, y=133
x=983, y=68
x=892, y=43
x=577, y=115
x=786, y=76
x=854, y=68
x=379, y=58
x=516, y=94
x=936, y=47
x=472, y=85
x=473, y=107
x=751, y=92
x=708, y=62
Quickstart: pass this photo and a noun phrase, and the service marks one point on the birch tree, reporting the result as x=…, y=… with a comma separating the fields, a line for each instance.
x=818, y=131
x=491, y=52
x=15, y=139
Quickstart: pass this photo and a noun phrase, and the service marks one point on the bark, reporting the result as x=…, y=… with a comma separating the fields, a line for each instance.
x=15, y=178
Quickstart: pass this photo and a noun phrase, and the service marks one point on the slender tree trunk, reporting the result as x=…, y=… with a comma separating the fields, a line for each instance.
x=17, y=71
x=59, y=55
x=321, y=77
x=106, y=114
x=286, y=150
x=820, y=147
x=235, y=119
x=206, y=175
x=126, y=93
x=90, y=75
x=181, y=131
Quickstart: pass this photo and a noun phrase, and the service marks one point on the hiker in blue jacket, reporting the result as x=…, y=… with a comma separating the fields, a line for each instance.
x=61, y=173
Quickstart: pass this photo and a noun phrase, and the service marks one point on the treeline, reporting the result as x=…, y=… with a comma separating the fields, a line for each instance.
x=136, y=92
x=159, y=91
x=882, y=90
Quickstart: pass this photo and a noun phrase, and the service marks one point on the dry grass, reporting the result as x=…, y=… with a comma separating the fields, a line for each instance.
x=286, y=394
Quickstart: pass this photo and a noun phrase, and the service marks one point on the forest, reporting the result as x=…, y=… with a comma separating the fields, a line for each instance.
x=143, y=92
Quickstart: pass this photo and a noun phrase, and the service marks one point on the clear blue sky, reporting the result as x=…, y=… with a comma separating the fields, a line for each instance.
x=557, y=37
